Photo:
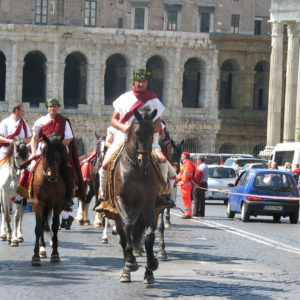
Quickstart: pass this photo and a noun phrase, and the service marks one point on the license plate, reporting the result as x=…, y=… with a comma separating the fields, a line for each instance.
x=273, y=207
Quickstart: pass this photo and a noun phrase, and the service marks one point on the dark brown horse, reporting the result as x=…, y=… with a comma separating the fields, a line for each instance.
x=52, y=184
x=135, y=192
x=92, y=186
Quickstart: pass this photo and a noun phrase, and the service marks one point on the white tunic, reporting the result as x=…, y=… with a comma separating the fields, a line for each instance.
x=8, y=126
x=122, y=105
x=39, y=123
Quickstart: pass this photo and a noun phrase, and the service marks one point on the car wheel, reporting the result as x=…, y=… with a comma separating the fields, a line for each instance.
x=294, y=218
x=245, y=215
x=230, y=213
x=276, y=218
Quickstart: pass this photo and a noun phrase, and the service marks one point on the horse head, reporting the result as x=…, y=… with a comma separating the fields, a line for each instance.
x=140, y=137
x=54, y=154
x=176, y=151
x=100, y=148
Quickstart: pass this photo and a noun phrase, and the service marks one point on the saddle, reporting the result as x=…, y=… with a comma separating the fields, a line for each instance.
x=109, y=209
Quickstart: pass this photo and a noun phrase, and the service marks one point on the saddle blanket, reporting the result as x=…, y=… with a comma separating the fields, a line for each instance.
x=86, y=166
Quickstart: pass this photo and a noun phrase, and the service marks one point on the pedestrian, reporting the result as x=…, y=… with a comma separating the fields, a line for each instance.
x=288, y=167
x=185, y=178
x=274, y=165
x=203, y=186
x=122, y=118
x=236, y=167
x=296, y=172
x=197, y=192
x=14, y=125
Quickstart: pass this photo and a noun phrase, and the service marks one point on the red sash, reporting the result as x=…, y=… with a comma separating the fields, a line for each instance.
x=16, y=133
x=58, y=125
x=142, y=99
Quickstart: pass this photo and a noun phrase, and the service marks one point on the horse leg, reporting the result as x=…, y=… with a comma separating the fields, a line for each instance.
x=80, y=216
x=168, y=222
x=86, y=214
x=3, y=224
x=98, y=220
x=36, y=260
x=15, y=241
x=105, y=232
x=162, y=254
x=7, y=221
x=55, y=225
x=42, y=252
x=20, y=225
x=152, y=262
x=130, y=261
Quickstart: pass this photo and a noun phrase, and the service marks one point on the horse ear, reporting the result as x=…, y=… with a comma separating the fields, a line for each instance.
x=97, y=135
x=137, y=115
x=153, y=114
x=46, y=139
x=172, y=143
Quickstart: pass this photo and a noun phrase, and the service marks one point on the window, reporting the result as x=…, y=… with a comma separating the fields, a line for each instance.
x=120, y=22
x=41, y=12
x=172, y=20
x=205, y=22
x=257, y=27
x=121, y=1
x=139, y=18
x=235, y=1
x=90, y=8
x=235, y=23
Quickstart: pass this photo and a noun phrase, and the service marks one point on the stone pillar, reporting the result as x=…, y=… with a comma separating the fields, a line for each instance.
x=12, y=75
x=275, y=86
x=291, y=83
x=297, y=129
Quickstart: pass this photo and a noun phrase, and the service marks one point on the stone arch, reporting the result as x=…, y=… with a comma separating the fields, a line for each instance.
x=75, y=79
x=34, y=78
x=261, y=85
x=114, y=78
x=192, y=83
x=2, y=76
x=229, y=84
x=155, y=65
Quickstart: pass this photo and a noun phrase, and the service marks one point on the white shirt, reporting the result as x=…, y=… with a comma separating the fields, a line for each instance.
x=8, y=126
x=39, y=123
x=123, y=105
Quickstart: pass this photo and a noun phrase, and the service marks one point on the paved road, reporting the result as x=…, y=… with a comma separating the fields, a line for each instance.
x=209, y=258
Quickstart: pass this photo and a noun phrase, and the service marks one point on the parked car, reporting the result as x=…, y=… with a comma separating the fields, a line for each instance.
x=241, y=161
x=218, y=179
x=217, y=158
x=264, y=192
x=263, y=165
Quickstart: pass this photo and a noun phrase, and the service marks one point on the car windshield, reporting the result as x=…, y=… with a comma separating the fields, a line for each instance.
x=221, y=173
x=273, y=182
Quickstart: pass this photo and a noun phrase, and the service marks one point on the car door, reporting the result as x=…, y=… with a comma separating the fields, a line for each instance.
x=238, y=189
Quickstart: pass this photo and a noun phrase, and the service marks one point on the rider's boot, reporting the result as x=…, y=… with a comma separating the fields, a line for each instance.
x=102, y=182
x=164, y=201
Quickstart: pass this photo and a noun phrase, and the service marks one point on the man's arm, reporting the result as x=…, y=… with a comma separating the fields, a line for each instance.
x=117, y=124
x=5, y=140
x=33, y=145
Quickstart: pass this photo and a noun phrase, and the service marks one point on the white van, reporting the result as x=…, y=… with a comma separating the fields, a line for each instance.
x=286, y=152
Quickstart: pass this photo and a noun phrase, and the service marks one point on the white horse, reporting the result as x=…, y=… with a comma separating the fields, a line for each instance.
x=10, y=173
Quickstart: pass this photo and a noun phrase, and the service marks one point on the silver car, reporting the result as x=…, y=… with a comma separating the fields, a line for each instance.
x=219, y=177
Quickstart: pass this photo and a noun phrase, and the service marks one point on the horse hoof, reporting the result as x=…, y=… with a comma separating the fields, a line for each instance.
x=43, y=254
x=132, y=266
x=149, y=279
x=114, y=231
x=3, y=238
x=80, y=222
x=138, y=253
x=55, y=259
x=97, y=224
x=36, y=262
x=167, y=225
x=9, y=241
x=21, y=239
x=14, y=243
x=162, y=256
x=125, y=278
x=104, y=241
x=87, y=222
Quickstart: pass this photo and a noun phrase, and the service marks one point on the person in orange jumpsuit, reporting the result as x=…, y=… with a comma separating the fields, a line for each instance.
x=185, y=183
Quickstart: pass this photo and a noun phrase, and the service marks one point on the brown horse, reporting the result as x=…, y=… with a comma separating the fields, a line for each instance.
x=52, y=184
x=135, y=192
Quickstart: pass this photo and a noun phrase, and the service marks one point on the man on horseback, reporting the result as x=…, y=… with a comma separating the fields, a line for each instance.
x=51, y=123
x=13, y=126
x=122, y=118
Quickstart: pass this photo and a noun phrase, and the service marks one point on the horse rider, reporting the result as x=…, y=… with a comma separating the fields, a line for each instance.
x=122, y=118
x=110, y=135
x=51, y=123
x=13, y=126
x=185, y=183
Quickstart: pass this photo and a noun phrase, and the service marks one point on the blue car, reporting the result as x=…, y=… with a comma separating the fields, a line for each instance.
x=264, y=192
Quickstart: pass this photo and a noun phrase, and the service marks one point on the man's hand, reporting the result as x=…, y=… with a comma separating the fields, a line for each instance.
x=161, y=157
x=125, y=128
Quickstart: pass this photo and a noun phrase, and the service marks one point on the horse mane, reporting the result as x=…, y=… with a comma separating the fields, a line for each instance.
x=9, y=153
x=65, y=171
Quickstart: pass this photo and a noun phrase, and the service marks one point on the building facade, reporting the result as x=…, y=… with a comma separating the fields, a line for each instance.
x=209, y=62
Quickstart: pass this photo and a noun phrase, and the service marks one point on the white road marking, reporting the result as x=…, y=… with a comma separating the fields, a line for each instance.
x=248, y=235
